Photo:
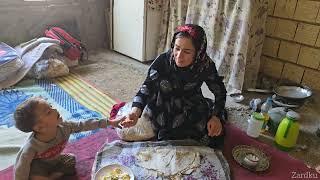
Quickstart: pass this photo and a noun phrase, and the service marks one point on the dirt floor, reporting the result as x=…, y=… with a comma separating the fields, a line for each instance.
x=120, y=77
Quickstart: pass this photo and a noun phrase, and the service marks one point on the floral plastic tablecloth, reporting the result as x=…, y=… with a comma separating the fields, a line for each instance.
x=212, y=163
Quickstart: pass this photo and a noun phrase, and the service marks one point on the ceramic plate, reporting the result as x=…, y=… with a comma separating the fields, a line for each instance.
x=107, y=170
x=240, y=152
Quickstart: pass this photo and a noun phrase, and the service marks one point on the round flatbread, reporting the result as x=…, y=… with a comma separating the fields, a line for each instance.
x=168, y=161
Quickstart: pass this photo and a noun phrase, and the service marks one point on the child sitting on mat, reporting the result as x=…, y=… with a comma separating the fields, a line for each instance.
x=40, y=157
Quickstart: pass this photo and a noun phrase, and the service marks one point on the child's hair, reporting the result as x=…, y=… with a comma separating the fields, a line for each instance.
x=24, y=115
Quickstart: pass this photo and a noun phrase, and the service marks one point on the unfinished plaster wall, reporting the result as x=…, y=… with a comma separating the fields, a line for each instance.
x=292, y=45
x=22, y=20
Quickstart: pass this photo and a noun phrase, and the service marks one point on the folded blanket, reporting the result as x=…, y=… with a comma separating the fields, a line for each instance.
x=30, y=52
x=10, y=62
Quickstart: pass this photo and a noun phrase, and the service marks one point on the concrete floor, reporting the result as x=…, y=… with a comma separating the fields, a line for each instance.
x=120, y=77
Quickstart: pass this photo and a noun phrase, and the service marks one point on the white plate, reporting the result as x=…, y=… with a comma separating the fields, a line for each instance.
x=109, y=168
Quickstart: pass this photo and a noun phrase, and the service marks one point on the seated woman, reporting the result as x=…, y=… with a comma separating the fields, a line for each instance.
x=172, y=91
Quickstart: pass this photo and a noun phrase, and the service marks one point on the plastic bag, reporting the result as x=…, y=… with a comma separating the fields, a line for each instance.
x=141, y=131
x=48, y=68
x=50, y=65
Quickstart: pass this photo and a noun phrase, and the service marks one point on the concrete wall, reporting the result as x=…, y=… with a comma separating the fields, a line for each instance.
x=292, y=45
x=22, y=20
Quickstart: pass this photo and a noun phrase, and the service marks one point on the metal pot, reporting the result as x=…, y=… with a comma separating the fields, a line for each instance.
x=295, y=93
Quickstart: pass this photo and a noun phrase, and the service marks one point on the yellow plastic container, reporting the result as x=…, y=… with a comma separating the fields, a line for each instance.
x=287, y=132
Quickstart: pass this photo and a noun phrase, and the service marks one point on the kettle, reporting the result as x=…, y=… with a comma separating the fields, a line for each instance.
x=287, y=132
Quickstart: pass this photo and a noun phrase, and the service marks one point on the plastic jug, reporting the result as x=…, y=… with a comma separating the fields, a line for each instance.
x=287, y=132
x=255, y=124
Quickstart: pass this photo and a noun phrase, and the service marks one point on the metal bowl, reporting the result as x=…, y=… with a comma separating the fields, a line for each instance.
x=110, y=170
x=251, y=160
x=293, y=92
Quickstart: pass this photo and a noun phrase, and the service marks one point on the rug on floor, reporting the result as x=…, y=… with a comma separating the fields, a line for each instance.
x=282, y=166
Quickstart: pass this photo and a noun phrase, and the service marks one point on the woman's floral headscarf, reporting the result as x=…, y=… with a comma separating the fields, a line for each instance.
x=199, y=40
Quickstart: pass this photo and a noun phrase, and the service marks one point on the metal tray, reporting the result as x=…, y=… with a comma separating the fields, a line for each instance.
x=293, y=92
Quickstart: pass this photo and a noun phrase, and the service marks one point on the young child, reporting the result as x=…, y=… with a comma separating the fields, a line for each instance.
x=40, y=157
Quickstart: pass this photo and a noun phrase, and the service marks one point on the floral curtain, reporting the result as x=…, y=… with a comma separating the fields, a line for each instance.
x=235, y=32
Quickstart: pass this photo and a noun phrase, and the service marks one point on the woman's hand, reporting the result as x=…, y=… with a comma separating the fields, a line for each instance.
x=132, y=118
x=214, y=126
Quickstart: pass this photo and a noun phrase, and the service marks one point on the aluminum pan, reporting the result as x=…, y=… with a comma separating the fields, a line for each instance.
x=293, y=92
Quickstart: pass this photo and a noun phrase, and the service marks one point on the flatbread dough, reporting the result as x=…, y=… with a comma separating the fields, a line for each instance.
x=168, y=161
